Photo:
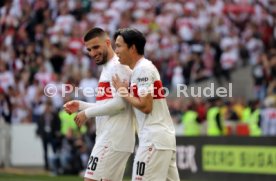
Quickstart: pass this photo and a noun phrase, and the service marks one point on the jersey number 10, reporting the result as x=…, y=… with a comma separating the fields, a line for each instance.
x=140, y=168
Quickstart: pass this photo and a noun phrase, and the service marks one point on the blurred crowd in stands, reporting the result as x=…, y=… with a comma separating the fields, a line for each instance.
x=189, y=42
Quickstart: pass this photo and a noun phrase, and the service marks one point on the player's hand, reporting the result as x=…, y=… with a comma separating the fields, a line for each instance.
x=71, y=106
x=120, y=86
x=80, y=118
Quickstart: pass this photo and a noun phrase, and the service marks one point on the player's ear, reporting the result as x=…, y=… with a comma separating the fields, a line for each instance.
x=133, y=48
x=108, y=42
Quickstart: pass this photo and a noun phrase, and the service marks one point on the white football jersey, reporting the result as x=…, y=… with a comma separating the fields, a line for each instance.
x=117, y=129
x=155, y=128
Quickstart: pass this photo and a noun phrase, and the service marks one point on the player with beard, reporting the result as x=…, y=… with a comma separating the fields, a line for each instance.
x=115, y=130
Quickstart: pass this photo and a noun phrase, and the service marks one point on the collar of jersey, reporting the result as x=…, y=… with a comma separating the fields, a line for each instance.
x=138, y=62
x=111, y=61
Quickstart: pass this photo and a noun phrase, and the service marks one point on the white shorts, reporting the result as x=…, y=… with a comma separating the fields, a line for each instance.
x=151, y=164
x=106, y=164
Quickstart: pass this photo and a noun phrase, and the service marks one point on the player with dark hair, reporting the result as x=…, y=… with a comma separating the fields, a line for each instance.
x=115, y=130
x=155, y=158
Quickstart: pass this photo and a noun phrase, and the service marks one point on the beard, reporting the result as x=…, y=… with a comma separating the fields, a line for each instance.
x=104, y=58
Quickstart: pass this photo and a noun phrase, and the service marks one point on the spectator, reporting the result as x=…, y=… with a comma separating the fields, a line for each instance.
x=190, y=121
x=215, y=119
x=48, y=129
x=259, y=74
x=268, y=117
x=5, y=131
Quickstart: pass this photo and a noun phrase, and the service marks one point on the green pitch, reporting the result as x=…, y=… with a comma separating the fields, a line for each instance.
x=13, y=177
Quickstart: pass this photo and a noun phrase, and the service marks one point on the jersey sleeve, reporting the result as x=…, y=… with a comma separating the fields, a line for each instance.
x=84, y=105
x=111, y=107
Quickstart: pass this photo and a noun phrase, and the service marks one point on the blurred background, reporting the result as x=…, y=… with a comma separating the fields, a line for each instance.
x=193, y=43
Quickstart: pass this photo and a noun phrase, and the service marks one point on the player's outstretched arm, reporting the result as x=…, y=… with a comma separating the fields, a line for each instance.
x=71, y=106
x=110, y=107
x=113, y=106
x=84, y=105
x=76, y=105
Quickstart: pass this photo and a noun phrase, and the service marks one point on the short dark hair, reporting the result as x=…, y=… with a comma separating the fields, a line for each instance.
x=131, y=37
x=93, y=33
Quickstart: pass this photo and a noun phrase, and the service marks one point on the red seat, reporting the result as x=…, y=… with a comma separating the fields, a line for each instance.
x=242, y=129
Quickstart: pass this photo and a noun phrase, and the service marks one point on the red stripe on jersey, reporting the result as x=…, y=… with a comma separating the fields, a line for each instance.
x=158, y=92
x=134, y=90
x=104, y=91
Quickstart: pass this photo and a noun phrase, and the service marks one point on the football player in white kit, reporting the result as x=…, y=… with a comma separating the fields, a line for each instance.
x=115, y=124
x=155, y=159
